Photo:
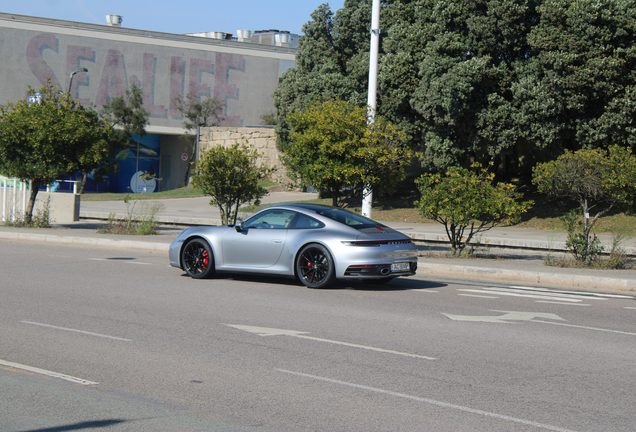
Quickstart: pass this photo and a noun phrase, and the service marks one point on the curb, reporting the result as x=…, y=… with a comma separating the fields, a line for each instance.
x=529, y=277
x=165, y=220
x=85, y=241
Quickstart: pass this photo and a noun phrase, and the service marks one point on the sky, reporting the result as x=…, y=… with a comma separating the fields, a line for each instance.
x=180, y=16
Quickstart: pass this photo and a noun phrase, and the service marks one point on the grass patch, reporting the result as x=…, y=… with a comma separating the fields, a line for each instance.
x=184, y=192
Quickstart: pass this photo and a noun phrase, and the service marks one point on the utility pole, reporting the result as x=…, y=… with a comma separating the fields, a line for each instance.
x=367, y=193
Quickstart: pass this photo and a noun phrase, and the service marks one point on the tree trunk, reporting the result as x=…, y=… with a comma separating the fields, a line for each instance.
x=187, y=173
x=28, y=216
x=224, y=215
x=81, y=191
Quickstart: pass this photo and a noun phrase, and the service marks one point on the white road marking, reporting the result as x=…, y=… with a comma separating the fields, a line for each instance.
x=506, y=318
x=265, y=331
x=424, y=290
x=561, y=303
x=127, y=262
x=512, y=294
x=46, y=372
x=527, y=316
x=76, y=331
x=630, y=307
x=582, y=293
x=475, y=295
x=587, y=328
x=430, y=401
x=548, y=293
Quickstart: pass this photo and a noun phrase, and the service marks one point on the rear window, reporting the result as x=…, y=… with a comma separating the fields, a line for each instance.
x=350, y=219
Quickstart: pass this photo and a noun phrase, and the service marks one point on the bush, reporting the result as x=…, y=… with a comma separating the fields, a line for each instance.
x=41, y=219
x=594, y=178
x=231, y=177
x=467, y=203
x=140, y=222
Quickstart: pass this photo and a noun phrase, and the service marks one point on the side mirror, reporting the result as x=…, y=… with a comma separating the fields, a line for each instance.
x=239, y=227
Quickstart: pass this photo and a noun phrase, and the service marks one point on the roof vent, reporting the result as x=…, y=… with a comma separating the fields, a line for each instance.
x=244, y=35
x=114, y=20
x=281, y=39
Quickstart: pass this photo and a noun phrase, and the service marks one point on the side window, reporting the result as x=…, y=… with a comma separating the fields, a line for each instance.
x=271, y=219
x=305, y=222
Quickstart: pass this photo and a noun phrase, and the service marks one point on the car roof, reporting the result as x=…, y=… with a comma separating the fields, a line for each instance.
x=313, y=207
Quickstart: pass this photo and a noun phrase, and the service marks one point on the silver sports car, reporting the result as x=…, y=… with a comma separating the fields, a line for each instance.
x=317, y=244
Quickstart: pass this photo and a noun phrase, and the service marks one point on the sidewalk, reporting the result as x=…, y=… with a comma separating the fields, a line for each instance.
x=514, y=255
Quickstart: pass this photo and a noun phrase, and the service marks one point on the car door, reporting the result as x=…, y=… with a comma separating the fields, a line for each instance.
x=260, y=241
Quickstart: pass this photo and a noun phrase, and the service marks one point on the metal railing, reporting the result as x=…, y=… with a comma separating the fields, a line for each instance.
x=14, y=197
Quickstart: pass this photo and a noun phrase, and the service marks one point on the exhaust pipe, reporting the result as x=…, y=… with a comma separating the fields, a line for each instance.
x=385, y=271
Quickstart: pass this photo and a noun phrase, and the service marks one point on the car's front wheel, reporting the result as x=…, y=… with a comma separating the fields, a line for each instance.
x=314, y=267
x=197, y=259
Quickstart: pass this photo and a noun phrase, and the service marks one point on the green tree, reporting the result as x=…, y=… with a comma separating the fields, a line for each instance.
x=476, y=52
x=45, y=140
x=446, y=70
x=230, y=176
x=332, y=63
x=585, y=62
x=506, y=81
x=128, y=116
x=332, y=148
x=407, y=29
x=127, y=112
x=197, y=113
x=597, y=180
x=467, y=203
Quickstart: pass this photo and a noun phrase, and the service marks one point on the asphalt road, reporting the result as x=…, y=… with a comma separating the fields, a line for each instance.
x=123, y=342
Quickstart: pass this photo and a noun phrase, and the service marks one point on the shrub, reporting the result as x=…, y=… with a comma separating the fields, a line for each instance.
x=467, y=203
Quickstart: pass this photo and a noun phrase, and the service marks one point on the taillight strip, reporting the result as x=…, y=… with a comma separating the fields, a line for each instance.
x=377, y=242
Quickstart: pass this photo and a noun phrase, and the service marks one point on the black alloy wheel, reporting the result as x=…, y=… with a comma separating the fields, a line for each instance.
x=197, y=259
x=314, y=267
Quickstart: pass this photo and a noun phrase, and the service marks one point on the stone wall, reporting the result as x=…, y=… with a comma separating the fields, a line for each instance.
x=262, y=138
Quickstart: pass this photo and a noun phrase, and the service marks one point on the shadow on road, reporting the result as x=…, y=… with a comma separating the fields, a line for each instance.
x=80, y=426
x=397, y=284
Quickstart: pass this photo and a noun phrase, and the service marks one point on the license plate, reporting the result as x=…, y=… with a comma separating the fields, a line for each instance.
x=400, y=266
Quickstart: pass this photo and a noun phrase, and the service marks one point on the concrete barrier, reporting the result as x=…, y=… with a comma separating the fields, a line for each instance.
x=63, y=207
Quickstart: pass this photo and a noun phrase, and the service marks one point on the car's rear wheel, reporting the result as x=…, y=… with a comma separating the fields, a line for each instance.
x=314, y=267
x=197, y=259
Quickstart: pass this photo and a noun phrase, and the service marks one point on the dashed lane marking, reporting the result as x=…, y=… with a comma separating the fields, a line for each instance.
x=10, y=365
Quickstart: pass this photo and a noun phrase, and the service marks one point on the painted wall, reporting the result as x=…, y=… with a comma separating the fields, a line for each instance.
x=242, y=75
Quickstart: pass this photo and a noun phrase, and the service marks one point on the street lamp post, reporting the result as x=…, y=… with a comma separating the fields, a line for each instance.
x=367, y=193
x=70, y=82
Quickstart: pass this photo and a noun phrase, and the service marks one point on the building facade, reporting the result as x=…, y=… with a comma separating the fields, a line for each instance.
x=240, y=72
